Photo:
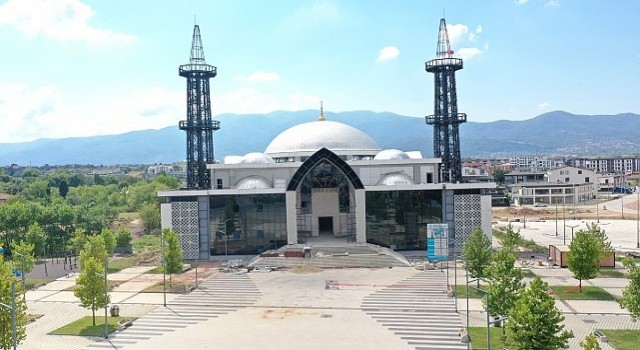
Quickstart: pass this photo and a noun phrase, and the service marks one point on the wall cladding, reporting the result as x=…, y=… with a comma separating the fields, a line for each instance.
x=468, y=217
x=184, y=220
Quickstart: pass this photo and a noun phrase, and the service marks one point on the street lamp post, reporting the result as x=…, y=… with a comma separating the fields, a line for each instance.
x=226, y=237
x=564, y=220
x=22, y=257
x=164, y=273
x=638, y=217
x=196, y=260
x=44, y=253
x=556, y=200
x=13, y=308
x=106, y=324
x=572, y=227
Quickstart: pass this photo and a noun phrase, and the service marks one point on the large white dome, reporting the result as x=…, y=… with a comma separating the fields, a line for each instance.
x=312, y=136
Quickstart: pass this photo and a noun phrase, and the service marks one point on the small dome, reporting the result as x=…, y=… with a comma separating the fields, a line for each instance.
x=396, y=179
x=388, y=154
x=256, y=158
x=312, y=136
x=252, y=183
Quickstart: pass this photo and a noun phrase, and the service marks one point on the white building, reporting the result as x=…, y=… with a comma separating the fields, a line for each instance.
x=564, y=185
x=328, y=180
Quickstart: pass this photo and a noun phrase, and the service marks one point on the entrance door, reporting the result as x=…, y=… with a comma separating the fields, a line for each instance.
x=325, y=225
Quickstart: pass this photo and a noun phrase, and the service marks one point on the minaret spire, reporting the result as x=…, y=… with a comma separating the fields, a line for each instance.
x=445, y=118
x=199, y=126
x=321, y=117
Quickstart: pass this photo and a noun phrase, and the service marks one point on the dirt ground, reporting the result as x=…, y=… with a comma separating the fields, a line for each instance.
x=549, y=213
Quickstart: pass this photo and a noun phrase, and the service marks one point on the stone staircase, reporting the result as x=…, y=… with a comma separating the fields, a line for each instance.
x=335, y=256
x=419, y=311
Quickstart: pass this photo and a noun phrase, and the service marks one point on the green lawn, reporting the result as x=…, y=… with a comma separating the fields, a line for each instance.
x=611, y=273
x=588, y=293
x=175, y=287
x=85, y=327
x=478, y=337
x=623, y=339
x=461, y=292
x=146, y=242
x=30, y=283
x=120, y=264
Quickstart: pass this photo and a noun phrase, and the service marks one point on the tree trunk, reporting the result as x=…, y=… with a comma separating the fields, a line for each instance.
x=580, y=286
x=94, y=316
x=171, y=280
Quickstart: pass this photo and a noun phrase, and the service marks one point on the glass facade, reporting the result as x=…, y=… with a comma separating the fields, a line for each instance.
x=247, y=224
x=325, y=175
x=400, y=218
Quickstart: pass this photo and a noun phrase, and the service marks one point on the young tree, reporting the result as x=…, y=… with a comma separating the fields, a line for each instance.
x=590, y=342
x=511, y=239
x=123, y=237
x=6, y=321
x=631, y=294
x=535, y=322
x=150, y=216
x=36, y=237
x=476, y=252
x=172, y=253
x=504, y=283
x=93, y=249
x=90, y=285
x=584, y=256
x=77, y=241
x=603, y=240
x=109, y=240
x=25, y=254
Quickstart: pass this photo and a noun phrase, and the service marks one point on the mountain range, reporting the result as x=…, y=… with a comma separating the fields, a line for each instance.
x=554, y=133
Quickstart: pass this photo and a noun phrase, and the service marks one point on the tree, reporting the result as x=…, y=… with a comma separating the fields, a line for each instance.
x=90, y=285
x=63, y=189
x=172, y=253
x=590, y=342
x=584, y=256
x=477, y=254
x=511, y=239
x=78, y=240
x=534, y=322
x=150, y=216
x=22, y=252
x=109, y=240
x=93, y=249
x=603, y=240
x=7, y=279
x=631, y=294
x=498, y=175
x=504, y=283
x=123, y=237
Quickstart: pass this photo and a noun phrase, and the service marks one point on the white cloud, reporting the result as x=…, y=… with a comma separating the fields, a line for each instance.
x=521, y=2
x=388, y=53
x=467, y=53
x=543, y=106
x=456, y=32
x=65, y=20
x=552, y=3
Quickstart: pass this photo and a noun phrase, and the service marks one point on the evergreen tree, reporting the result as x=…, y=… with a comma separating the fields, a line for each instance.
x=172, y=253
x=631, y=294
x=535, y=323
x=590, y=342
x=6, y=320
x=504, y=283
x=584, y=256
x=476, y=252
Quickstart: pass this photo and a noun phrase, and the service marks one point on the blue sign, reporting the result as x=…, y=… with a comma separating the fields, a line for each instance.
x=437, y=246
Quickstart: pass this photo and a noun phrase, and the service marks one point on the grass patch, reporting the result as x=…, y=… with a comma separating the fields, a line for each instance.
x=117, y=265
x=623, y=339
x=84, y=326
x=611, y=273
x=478, y=337
x=526, y=244
x=461, y=292
x=146, y=242
x=588, y=293
x=157, y=269
x=528, y=273
x=175, y=287
x=31, y=283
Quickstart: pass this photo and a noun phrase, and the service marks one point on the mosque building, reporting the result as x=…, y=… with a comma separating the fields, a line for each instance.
x=323, y=180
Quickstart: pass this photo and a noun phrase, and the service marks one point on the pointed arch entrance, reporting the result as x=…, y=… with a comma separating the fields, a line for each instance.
x=326, y=193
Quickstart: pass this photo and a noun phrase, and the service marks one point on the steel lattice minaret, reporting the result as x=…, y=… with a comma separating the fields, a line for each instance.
x=199, y=126
x=445, y=118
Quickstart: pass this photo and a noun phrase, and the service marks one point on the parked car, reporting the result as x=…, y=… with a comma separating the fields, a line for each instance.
x=539, y=204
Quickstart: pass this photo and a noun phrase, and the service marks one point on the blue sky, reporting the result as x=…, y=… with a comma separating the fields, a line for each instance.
x=80, y=68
